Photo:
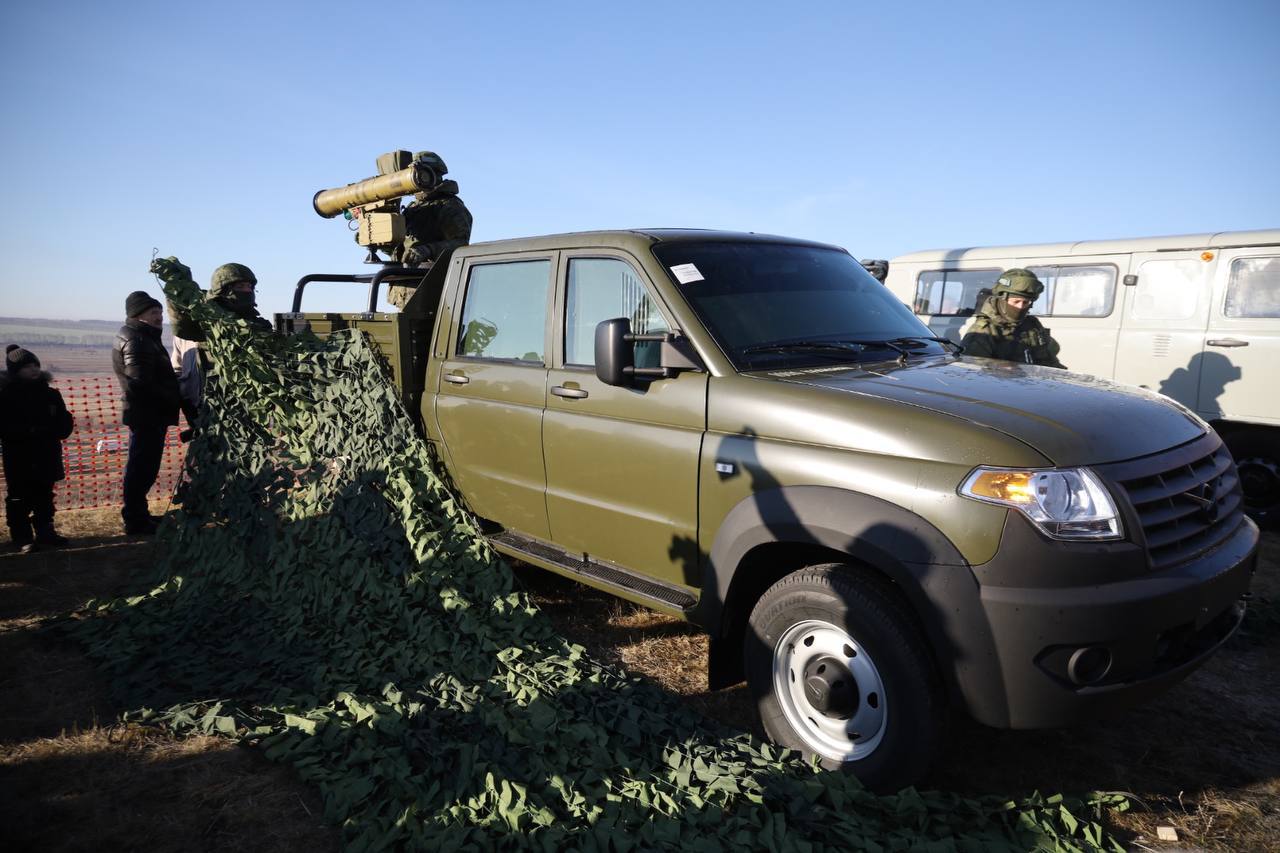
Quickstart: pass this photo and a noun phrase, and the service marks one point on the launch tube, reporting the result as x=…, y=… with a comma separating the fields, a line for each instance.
x=329, y=203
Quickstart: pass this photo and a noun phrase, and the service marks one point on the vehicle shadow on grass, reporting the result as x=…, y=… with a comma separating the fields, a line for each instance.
x=46, y=684
x=125, y=789
x=77, y=779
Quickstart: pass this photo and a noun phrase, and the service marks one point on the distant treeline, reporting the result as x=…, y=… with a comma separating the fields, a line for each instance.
x=53, y=339
x=83, y=325
x=31, y=331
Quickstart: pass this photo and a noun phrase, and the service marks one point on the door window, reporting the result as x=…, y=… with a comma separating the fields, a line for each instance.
x=1253, y=290
x=951, y=293
x=504, y=314
x=604, y=289
x=1075, y=291
x=1168, y=290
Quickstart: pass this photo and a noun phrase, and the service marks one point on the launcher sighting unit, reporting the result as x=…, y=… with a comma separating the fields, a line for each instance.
x=374, y=203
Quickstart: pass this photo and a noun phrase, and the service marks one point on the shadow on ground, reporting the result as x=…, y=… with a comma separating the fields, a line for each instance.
x=74, y=779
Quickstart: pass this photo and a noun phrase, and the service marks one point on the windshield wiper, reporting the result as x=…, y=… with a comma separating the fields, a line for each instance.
x=848, y=346
x=830, y=347
x=919, y=340
x=851, y=346
x=898, y=345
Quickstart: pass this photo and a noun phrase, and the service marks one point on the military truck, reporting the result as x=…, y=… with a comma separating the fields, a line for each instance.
x=753, y=434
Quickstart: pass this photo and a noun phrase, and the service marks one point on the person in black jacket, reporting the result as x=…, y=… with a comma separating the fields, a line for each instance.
x=151, y=402
x=33, y=423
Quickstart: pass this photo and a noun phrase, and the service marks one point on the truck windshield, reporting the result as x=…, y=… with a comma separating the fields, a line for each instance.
x=772, y=305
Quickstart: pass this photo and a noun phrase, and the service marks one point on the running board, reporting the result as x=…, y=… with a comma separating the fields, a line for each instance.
x=609, y=574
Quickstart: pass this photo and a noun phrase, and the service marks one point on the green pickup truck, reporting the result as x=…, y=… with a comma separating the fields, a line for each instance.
x=753, y=434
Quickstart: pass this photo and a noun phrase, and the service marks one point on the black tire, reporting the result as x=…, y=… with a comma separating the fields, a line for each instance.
x=1257, y=454
x=840, y=671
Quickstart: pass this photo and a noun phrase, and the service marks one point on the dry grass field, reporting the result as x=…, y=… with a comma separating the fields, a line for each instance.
x=1204, y=759
x=74, y=360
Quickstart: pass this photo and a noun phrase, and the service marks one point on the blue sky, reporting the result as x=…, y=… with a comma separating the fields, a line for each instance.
x=886, y=128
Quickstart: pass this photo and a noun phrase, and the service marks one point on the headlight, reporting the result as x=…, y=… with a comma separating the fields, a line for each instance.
x=1066, y=503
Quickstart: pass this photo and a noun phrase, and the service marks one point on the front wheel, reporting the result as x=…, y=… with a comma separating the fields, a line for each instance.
x=840, y=671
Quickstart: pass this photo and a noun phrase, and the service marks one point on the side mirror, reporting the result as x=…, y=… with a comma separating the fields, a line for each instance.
x=615, y=353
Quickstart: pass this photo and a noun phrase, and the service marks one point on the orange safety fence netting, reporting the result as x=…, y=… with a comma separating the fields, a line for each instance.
x=96, y=451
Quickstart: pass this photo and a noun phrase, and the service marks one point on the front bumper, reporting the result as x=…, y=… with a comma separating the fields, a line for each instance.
x=1075, y=651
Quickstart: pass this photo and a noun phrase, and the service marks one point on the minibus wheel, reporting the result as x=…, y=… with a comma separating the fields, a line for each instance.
x=1257, y=455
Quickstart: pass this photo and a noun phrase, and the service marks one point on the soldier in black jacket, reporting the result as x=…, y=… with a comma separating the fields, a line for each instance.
x=33, y=423
x=151, y=401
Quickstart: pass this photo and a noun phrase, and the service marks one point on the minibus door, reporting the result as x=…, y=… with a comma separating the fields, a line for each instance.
x=1166, y=313
x=1240, y=368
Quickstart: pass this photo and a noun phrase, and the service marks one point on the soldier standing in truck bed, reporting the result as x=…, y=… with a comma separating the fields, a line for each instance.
x=435, y=222
x=1003, y=328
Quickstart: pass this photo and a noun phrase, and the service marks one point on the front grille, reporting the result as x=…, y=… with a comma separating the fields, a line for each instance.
x=1187, y=500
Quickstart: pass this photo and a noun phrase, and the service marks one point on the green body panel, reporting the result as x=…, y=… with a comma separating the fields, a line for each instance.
x=492, y=428
x=438, y=343
x=781, y=433
x=944, y=405
x=390, y=334
x=622, y=472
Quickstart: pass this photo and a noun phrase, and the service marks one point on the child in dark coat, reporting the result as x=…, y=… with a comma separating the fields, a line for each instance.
x=33, y=423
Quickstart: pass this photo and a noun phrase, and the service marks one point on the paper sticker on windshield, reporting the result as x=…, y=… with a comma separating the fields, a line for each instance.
x=686, y=273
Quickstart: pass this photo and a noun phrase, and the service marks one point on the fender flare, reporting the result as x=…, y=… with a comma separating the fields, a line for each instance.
x=936, y=581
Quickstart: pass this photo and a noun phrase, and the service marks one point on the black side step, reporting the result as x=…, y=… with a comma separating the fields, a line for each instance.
x=613, y=575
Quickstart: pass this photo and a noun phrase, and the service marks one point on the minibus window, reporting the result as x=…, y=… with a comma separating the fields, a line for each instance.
x=1254, y=288
x=1168, y=290
x=951, y=293
x=1075, y=291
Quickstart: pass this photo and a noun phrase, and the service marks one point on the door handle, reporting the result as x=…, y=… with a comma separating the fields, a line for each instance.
x=571, y=393
x=1227, y=342
x=456, y=378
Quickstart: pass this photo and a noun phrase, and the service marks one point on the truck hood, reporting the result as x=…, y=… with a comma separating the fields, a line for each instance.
x=1069, y=418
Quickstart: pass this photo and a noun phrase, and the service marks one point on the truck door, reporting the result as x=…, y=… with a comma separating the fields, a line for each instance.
x=622, y=463
x=493, y=385
x=1165, y=316
x=1240, y=366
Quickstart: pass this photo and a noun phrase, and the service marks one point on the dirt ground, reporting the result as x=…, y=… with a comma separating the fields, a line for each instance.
x=1203, y=759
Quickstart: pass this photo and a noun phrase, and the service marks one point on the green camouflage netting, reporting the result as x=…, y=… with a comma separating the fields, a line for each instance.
x=324, y=597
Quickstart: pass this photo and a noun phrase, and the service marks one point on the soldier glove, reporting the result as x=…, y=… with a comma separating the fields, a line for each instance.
x=415, y=254
x=170, y=269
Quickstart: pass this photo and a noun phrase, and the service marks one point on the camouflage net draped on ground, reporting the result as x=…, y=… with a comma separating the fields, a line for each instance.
x=323, y=596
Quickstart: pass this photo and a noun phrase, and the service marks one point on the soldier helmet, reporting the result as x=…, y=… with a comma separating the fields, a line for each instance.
x=227, y=275
x=1018, y=282
x=432, y=160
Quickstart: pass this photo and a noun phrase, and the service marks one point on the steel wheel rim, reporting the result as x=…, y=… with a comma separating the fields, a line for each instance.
x=810, y=644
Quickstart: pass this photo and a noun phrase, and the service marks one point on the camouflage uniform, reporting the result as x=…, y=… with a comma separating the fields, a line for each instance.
x=1000, y=331
x=190, y=363
x=435, y=222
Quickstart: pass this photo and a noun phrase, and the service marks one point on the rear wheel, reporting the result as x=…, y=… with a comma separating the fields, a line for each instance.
x=839, y=671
